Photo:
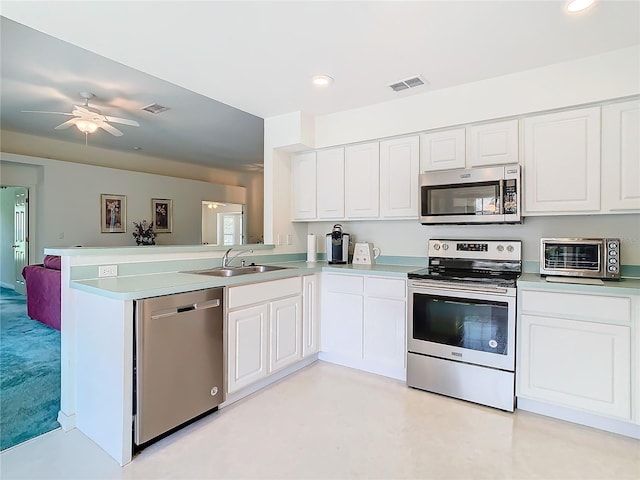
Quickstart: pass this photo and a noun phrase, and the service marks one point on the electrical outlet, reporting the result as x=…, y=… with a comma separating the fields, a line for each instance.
x=280, y=239
x=289, y=239
x=108, y=271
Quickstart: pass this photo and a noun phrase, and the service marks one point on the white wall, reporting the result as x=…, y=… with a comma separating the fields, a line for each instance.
x=42, y=147
x=598, y=78
x=409, y=238
x=68, y=212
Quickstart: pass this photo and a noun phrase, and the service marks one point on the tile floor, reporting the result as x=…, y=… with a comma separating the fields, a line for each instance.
x=332, y=422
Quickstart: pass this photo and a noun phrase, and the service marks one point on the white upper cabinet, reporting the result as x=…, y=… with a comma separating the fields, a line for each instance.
x=492, y=144
x=621, y=157
x=442, y=150
x=362, y=180
x=399, y=170
x=330, y=183
x=303, y=186
x=562, y=162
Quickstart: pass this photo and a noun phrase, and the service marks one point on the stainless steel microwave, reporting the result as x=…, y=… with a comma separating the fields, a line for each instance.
x=580, y=257
x=472, y=195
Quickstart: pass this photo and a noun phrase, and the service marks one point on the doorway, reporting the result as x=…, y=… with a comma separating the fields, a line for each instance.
x=14, y=236
x=223, y=223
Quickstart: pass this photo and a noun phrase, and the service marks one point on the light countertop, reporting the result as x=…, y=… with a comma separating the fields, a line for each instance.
x=624, y=286
x=153, y=285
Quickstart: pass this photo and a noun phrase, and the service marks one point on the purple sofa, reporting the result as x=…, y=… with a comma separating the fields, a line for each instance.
x=43, y=291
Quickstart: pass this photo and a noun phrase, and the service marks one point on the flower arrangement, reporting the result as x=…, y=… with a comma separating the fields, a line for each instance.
x=143, y=233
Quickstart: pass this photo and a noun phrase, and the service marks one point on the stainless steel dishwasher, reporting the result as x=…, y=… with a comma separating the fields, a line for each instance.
x=178, y=360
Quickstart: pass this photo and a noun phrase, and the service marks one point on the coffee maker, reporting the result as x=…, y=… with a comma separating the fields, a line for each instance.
x=338, y=245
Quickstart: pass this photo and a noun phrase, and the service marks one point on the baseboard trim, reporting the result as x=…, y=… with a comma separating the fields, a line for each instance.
x=248, y=390
x=67, y=422
x=397, y=372
x=612, y=425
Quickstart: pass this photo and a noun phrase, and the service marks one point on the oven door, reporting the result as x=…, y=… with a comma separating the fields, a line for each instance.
x=464, y=324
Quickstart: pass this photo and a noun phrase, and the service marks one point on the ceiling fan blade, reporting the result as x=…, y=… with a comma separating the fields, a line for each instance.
x=55, y=113
x=67, y=124
x=82, y=110
x=123, y=121
x=112, y=130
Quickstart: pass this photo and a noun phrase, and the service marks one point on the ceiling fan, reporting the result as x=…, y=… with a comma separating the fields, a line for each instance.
x=88, y=119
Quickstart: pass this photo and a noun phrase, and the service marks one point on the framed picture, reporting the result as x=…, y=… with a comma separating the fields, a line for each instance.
x=113, y=213
x=162, y=214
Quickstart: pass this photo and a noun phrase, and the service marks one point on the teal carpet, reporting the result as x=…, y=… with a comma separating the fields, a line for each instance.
x=29, y=373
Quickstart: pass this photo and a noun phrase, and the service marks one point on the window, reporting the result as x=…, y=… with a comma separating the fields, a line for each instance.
x=230, y=228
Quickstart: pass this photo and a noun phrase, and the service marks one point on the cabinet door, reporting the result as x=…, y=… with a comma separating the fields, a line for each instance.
x=576, y=364
x=493, y=143
x=384, y=332
x=399, y=170
x=246, y=347
x=310, y=316
x=562, y=162
x=285, y=325
x=330, y=183
x=303, y=183
x=621, y=157
x=341, y=326
x=362, y=180
x=442, y=150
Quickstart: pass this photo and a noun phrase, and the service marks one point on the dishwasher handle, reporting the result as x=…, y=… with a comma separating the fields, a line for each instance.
x=169, y=312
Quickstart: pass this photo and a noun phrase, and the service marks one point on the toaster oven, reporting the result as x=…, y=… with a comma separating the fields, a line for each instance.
x=580, y=257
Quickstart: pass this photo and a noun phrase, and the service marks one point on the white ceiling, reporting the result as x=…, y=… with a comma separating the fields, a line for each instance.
x=259, y=57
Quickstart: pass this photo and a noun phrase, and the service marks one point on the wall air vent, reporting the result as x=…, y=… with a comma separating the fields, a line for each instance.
x=407, y=83
x=155, y=108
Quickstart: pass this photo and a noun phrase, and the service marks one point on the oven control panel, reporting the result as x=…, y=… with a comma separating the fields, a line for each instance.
x=477, y=249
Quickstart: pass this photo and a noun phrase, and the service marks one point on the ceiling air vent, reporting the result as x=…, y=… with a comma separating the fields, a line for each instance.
x=408, y=83
x=155, y=108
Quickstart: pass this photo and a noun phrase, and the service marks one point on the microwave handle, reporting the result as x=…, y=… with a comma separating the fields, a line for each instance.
x=502, y=200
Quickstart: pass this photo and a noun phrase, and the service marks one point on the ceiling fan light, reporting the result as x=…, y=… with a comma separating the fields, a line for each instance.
x=86, y=126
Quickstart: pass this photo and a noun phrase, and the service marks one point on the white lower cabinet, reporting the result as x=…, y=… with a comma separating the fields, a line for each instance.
x=264, y=330
x=285, y=332
x=364, y=322
x=246, y=347
x=576, y=357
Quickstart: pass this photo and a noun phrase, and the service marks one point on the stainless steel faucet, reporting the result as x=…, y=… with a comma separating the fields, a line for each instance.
x=226, y=260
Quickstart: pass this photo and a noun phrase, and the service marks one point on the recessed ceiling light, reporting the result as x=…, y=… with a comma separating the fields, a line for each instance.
x=322, y=80
x=579, y=5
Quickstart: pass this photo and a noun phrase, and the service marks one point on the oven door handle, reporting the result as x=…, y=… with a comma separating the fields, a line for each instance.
x=459, y=288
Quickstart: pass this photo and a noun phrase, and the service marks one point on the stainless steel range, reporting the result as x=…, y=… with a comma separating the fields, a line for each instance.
x=462, y=309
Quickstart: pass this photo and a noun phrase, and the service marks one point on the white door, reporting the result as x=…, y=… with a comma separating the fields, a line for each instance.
x=493, y=143
x=247, y=347
x=303, y=186
x=399, y=170
x=285, y=325
x=562, y=162
x=442, y=150
x=384, y=332
x=341, y=326
x=21, y=240
x=362, y=180
x=621, y=157
x=330, y=185
x=576, y=364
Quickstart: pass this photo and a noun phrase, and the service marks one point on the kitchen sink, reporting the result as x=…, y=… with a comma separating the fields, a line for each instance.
x=235, y=271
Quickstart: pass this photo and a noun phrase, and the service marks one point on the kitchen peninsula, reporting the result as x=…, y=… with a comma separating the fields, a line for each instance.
x=97, y=323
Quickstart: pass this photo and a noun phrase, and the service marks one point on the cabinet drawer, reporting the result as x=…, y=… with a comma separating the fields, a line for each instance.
x=264, y=291
x=344, y=283
x=601, y=308
x=394, y=288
